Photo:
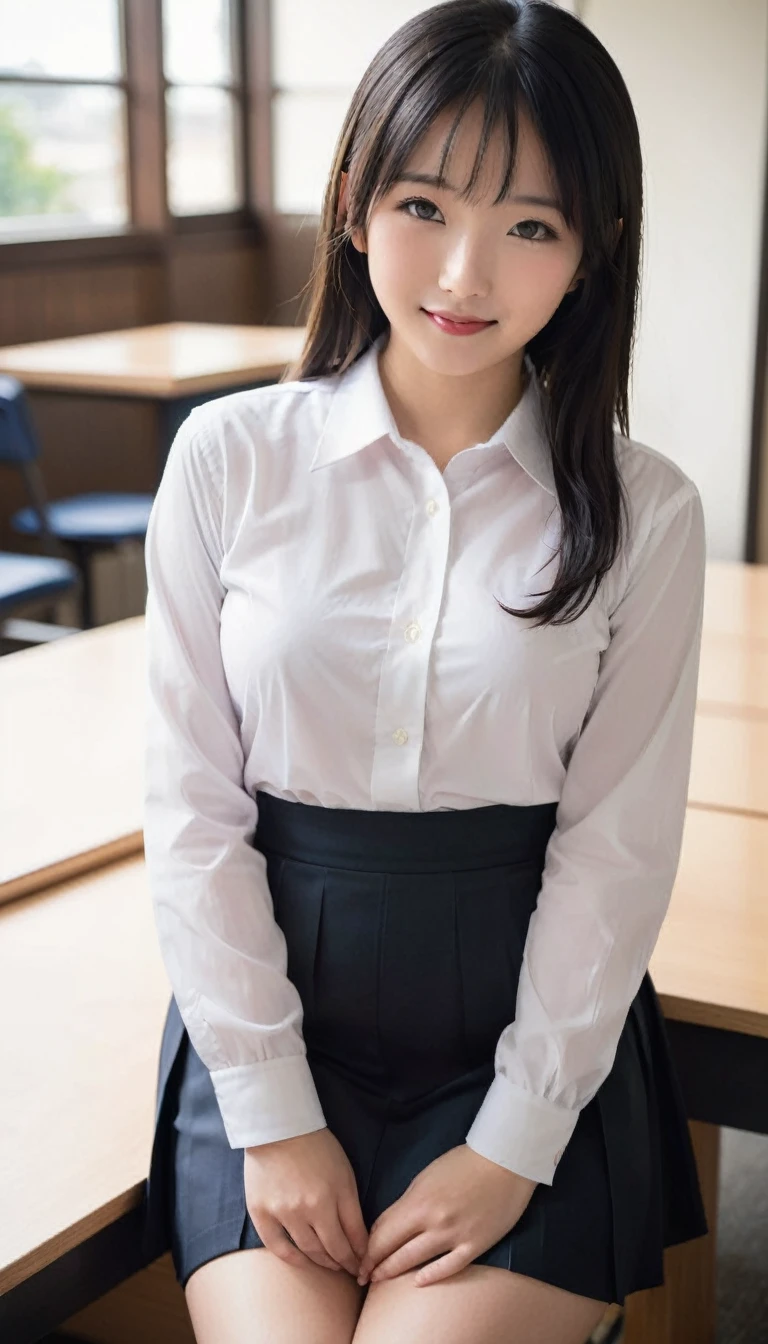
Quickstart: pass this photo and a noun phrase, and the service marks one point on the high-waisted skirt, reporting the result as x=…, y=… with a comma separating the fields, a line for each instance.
x=405, y=935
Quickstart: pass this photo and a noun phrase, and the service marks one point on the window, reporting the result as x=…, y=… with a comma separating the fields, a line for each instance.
x=203, y=106
x=62, y=118
x=312, y=82
x=115, y=114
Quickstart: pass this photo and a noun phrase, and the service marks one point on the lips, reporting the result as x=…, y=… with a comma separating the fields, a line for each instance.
x=456, y=326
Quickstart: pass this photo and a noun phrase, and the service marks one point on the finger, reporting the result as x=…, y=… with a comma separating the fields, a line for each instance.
x=388, y=1234
x=307, y=1240
x=351, y=1219
x=334, y=1239
x=449, y=1264
x=409, y=1256
x=275, y=1238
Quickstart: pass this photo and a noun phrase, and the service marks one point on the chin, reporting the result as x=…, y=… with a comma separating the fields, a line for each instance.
x=458, y=360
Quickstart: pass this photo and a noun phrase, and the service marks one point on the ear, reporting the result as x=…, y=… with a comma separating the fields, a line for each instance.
x=341, y=213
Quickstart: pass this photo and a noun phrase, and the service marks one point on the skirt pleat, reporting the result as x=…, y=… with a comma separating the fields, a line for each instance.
x=405, y=935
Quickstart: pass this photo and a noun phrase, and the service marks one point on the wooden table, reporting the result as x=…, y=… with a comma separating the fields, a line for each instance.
x=736, y=599
x=729, y=768
x=82, y=980
x=733, y=678
x=176, y=365
x=71, y=743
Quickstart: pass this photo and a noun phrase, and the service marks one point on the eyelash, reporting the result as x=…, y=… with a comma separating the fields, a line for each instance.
x=422, y=200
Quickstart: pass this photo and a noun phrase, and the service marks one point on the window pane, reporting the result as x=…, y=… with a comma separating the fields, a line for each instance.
x=305, y=128
x=60, y=37
x=197, y=41
x=337, y=39
x=202, y=151
x=62, y=151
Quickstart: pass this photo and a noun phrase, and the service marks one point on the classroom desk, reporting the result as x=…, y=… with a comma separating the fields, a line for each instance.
x=736, y=599
x=733, y=676
x=175, y=365
x=82, y=981
x=729, y=766
x=71, y=744
x=81, y=974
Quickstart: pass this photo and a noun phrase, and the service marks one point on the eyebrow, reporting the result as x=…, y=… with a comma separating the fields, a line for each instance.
x=430, y=180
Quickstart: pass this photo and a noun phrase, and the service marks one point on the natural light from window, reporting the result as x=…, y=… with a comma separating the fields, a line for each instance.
x=62, y=145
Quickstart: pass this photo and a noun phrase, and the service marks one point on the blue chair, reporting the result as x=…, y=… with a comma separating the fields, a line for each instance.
x=30, y=578
x=84, y=523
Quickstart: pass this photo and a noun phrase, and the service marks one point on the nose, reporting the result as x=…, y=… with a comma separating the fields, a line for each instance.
x=465, y=269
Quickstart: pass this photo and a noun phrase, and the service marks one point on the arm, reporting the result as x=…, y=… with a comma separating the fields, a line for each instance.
x=223, y=952
x=612, y=858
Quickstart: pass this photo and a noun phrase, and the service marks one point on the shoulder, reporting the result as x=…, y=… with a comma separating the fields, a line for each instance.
x=664, y=510
x=657, y=488
x=237, y=454
x=652, y=479
x=262, y=421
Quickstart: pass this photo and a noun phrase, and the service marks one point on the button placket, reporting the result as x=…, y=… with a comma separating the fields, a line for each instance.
x=403, y=683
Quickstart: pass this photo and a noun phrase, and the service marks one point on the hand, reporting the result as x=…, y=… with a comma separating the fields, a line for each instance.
x=461, y=1203
x=305, y=1187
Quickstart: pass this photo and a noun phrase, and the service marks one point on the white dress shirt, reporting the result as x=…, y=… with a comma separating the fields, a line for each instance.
x=322, y=624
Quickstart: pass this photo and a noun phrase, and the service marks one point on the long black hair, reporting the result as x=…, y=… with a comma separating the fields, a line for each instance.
x=509, y=53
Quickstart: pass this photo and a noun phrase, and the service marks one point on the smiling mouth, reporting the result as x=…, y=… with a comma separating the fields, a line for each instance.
x=459, y=326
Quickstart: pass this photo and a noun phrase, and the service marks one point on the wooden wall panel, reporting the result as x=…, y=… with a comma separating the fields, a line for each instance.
x=43, y=303
x=227, y=284
x=292, y=248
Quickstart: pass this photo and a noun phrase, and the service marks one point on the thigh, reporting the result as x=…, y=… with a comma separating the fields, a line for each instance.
x=480, y=1305
x=253, y=1297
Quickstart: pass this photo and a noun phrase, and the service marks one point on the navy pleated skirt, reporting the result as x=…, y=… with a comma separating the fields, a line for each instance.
x=405, y=935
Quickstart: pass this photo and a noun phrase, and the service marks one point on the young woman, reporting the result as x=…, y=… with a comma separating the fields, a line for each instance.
x=411, y=833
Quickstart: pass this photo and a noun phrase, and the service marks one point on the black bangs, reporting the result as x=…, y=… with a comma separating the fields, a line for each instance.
x=499, y=111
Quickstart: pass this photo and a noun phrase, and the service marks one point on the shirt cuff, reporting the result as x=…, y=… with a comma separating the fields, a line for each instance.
x=521, y=1131
x=272, y=1099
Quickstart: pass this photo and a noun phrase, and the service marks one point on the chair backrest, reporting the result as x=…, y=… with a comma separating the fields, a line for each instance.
x=19, y=448
x=18, y=441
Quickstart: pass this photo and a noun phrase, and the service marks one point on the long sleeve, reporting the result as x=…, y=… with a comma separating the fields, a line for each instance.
x=612, y=859
x=223, y=951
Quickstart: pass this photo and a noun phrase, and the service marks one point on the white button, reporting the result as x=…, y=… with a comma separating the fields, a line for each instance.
x=432, y=506
x=400, y=736
x=412, y=631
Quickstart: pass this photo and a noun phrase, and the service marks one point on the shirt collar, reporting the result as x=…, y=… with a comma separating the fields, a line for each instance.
x=360, y=415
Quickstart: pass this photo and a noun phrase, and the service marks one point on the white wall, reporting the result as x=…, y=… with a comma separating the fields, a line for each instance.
x=696, y=73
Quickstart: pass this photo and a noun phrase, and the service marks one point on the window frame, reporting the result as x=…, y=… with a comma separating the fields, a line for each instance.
x=152, y=229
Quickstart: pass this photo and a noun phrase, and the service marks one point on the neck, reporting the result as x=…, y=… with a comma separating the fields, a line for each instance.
x=444, y=412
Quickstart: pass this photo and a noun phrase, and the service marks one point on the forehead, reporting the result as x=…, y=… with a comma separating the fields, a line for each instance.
x=531, y=172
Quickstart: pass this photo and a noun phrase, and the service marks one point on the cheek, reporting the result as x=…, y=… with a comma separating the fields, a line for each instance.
x=536, y=286
x=399, y=259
